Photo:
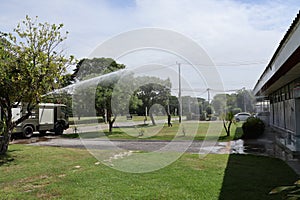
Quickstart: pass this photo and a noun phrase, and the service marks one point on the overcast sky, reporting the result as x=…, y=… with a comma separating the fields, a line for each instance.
x=240, y=36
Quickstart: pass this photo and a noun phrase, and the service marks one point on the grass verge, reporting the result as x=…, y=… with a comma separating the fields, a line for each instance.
x=189, y=131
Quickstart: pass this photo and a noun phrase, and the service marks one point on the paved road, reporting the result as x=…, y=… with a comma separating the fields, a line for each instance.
x=135, y=145
x=140, y=145
x=145, y=145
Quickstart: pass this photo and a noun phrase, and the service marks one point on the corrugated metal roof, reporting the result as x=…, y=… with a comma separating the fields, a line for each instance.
x=281, y=44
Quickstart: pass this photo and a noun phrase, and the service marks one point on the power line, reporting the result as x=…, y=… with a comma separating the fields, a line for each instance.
x=229, y=64
x=225, y=64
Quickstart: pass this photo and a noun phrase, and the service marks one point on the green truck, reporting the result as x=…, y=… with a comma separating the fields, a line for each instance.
x=46, y=117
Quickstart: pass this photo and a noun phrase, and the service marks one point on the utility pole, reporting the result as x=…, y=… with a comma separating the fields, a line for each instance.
x=208, y=95
x=244, y=94
x=179, y=92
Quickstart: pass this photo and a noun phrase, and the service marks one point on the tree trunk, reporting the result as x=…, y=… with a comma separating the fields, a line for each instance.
x=9, y=125
x=7, y=128
x=110, y=125
x=4, y=141
x=5, y=137
x=152, y=119
x=228, y=129
x=110, y=121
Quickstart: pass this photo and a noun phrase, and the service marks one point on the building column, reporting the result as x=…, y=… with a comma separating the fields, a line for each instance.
x=297, y=124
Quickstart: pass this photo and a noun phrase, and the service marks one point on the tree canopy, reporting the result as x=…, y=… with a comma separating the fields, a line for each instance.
x=242, y=100
x=89, y=68
x=31, y=64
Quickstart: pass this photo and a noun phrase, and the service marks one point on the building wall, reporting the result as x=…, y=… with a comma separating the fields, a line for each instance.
x=290, y=115
x=283, y=115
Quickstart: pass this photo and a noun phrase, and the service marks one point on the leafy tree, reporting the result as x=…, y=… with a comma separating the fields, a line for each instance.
x=67, y=79
x=31, y=64
x=103, y=101
x=173, y=104
x=156, y=91
x=191, y=105
x=219, y=103
x=246, y=100
x=231, y=102
x=90, y=68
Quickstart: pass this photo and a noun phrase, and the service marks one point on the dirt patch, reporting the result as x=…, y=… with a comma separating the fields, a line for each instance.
x=32, y=140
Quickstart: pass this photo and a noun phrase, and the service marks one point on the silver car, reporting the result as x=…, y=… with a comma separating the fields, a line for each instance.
x=243, y=116
x=264, y=116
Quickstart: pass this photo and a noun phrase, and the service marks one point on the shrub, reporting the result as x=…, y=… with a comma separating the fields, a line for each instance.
x=253, y=128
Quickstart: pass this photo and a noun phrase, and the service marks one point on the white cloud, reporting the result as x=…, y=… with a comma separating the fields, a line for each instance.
x=228, y=30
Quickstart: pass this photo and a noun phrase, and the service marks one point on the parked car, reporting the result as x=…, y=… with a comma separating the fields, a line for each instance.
x=243, y=116
x=264, y=116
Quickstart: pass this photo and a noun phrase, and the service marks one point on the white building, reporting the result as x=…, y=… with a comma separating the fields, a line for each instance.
x=280, y=83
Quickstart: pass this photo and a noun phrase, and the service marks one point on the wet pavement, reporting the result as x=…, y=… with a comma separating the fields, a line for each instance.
x=202, y=147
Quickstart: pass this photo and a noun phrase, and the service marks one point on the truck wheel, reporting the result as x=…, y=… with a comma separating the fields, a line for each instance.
x=27, y=131
x=58, y=129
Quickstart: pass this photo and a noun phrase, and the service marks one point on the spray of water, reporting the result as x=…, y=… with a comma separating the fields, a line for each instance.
x=144, y=49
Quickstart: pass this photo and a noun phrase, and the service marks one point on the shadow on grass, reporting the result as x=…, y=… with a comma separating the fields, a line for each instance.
x=6, y=159
x=107, y=133
x=135, y=126
x=235, y=136
x=238, y=133
x=71, y=135
x=253, y=177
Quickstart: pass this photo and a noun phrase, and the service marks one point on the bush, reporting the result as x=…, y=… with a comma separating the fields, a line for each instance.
x=253, y=128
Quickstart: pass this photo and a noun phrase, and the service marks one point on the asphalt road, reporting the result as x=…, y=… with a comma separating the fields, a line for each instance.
x=135, y=145
x=141, y=145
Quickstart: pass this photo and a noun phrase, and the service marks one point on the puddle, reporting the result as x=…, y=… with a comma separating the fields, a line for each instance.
x=239, y=147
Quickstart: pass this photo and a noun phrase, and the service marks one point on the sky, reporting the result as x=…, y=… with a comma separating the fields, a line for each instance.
x=240, y=36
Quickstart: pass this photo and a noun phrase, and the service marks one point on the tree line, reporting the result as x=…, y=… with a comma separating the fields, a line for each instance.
x=33, y=63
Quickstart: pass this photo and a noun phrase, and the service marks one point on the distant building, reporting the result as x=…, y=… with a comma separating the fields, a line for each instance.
x=280, y=84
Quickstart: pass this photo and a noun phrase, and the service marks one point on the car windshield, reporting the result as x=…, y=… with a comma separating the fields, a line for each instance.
x=244, y=114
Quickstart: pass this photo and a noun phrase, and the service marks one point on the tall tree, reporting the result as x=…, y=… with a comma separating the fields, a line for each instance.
x=90, y=68
x=219, y=103
x=156, y=91
x=31, y=64
x=246, y=100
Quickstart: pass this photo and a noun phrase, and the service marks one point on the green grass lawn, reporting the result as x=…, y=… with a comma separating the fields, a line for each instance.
x=189, y=131
x=58, y=173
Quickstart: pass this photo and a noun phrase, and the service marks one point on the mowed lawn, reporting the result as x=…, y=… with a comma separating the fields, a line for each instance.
x=186, y=131
x=30, y=172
